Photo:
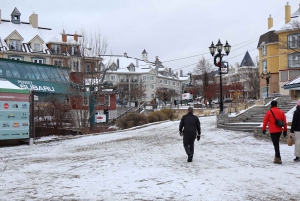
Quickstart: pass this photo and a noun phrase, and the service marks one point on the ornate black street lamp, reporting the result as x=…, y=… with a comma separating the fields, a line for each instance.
x=218, y=62
x=267, y=77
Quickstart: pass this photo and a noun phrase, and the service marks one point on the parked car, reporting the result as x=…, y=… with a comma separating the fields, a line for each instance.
x=227, y=100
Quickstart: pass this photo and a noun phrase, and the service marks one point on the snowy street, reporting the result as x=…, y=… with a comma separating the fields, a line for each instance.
x=150, y=164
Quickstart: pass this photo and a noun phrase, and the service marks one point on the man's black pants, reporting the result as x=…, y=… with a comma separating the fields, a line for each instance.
x=275, y=139
x=188, y=143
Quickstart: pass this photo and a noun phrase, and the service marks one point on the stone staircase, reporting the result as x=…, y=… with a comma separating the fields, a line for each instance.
x=239, y=126
x=252, y=118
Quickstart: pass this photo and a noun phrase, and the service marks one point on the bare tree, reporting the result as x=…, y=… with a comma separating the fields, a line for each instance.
x=251, y=84
x=87, y=75
x=165, y=94
x=205, y=79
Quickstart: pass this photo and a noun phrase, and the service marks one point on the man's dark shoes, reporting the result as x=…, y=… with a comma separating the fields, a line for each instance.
x=297, y=159
x=190, y=158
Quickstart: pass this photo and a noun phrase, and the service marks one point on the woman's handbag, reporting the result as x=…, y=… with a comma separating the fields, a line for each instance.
x=278, y=122
x=290, y=141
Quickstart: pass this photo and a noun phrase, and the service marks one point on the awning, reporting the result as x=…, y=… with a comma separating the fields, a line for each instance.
x=294, y=84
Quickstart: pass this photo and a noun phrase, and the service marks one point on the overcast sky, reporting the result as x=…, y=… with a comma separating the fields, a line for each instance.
x=169, y=29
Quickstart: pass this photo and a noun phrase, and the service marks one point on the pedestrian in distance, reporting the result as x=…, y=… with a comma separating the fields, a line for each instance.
x=189, y=127
x=295, y=131
x=274, y=130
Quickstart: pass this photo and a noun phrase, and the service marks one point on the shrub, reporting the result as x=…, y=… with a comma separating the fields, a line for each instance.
x=132, y=120
x=157, y=116
x=169, y=113
x=152, y=117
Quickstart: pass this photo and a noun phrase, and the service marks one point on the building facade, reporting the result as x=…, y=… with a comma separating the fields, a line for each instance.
x=279, y=54
x=244, y=75
x=132, y=73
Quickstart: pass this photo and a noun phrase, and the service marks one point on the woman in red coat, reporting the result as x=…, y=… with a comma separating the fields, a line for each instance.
x=275, y=130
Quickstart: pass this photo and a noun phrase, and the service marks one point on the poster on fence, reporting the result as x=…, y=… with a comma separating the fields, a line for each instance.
x=14, y=114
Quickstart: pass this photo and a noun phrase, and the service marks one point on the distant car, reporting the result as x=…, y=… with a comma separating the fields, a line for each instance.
x=227, y=100
x=215, y=101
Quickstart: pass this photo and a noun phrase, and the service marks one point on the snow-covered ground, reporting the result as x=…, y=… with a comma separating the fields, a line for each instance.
x=150, y=164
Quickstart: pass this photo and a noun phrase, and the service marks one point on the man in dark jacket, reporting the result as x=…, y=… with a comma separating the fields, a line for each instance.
x=275, y=131
x=189, y=127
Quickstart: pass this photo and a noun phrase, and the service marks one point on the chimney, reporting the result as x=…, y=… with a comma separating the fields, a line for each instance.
x=76, y=37
x=287, y=13
x=170, y=72
x=156, y=59
x=270, y=22
x=0, y=16
x=33, y=20
x=64, y=36
x=180, y=73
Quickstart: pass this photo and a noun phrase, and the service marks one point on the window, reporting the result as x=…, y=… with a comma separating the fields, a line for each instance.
x=145, y=86
x=264, y=66
x=294, y=74
x=152, y=78
x=36, y=47
x=15, y=45
x=87, y=68
x=38, y=60
x=165, y=81
x=57, y=63
x=55, y=49
x=112, y=77
x=75, y=66
x=16, y=58
x=152, y=86
x=144, y=77
x=173, y=83
x=152, y=95
x=72, y=50
x=283, y=75
x=294, y=41
x=85, y=100
x=160, y=81
x=294, y=60
x=107, y=100
x=264, y=49
x=169, y=82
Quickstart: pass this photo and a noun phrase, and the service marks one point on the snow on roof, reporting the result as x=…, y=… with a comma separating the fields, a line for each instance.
x=5, y=84
x=296, y=80
x=25, y=30
x=281, y=26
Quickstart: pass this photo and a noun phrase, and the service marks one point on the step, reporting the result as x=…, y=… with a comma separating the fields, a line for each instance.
x=233, y=128
x=242, y=124
x=254, y=120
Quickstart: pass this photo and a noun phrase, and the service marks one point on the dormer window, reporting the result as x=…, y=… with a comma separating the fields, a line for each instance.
x=36, y=47
x=56, y=49
x=72, y=50
x=15, y=45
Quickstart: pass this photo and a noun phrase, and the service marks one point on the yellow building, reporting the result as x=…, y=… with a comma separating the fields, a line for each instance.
x=278, y=55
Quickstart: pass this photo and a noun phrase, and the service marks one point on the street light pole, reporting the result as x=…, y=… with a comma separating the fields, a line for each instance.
x=219, y=56
x=267, y=77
